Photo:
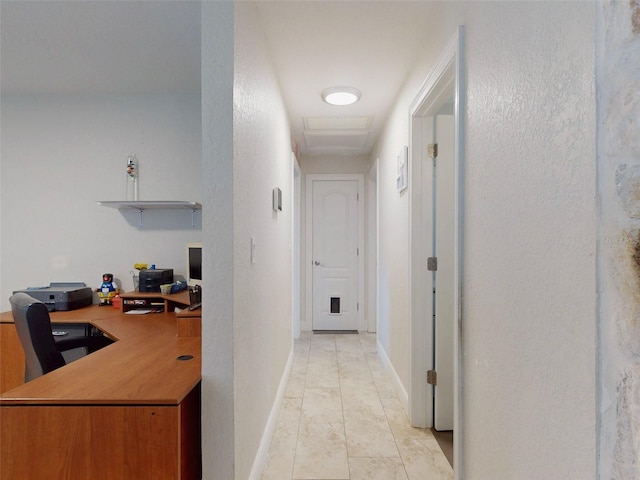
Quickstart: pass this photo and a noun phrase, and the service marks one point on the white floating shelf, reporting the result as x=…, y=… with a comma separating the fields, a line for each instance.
x=142, y=205
x=150, y=204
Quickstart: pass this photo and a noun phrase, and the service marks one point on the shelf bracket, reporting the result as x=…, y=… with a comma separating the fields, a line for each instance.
x=193, y=217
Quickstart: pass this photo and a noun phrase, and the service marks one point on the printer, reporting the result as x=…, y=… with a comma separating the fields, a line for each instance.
x=61, y=296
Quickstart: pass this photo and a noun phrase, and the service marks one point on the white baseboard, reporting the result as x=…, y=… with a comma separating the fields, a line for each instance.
x=403, y=396
x=263, y=449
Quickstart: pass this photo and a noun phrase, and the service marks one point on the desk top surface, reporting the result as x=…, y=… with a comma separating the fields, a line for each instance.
x=140, y=368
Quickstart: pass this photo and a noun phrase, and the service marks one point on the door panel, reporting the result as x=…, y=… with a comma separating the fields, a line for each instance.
x=444, y=239
x=335, y=254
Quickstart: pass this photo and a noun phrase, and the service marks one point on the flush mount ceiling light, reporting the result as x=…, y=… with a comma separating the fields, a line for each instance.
x=341, y=95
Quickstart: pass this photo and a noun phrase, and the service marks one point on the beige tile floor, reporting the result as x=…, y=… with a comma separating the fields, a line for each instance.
x=341, y=419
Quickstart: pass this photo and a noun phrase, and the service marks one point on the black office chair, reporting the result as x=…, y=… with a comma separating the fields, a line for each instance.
x=42, y=352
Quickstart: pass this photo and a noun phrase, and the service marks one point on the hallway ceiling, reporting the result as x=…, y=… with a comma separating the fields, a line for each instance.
x=370, y=45
x=149, y=47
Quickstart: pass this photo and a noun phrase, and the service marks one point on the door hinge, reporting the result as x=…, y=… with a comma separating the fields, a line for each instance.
x=432, y=150
x=357, y=252
x=432, y=264
x=357, y=306
x=432, y=377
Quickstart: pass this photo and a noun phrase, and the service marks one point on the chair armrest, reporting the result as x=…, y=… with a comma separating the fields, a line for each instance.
x=95, y=343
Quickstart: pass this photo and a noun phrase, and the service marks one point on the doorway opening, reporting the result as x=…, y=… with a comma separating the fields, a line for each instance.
x=436, y=154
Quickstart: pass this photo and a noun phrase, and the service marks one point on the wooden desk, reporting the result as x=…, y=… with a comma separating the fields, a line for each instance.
x=128, y=411
x=170, y=301
x=189, y=322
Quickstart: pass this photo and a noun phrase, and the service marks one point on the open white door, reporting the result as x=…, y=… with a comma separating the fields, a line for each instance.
x=444, y=241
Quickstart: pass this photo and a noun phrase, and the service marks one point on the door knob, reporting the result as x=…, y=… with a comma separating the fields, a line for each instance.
x=316, y=263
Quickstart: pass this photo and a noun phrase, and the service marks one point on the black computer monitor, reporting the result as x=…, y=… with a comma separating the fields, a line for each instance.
x=194, y=264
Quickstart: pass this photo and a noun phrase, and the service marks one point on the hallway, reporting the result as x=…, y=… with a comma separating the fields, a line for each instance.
x=341, y=419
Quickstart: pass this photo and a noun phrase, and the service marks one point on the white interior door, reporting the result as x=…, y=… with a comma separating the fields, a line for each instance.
x=444, y=288
x=335, y=254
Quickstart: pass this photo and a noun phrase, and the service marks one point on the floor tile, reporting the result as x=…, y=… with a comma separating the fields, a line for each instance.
x=377, y=469
x=321, y=452
x=279, y=464
x=400, y=424
x=322, y=405
x=360, y=396
x=423, y=459
x=368, y=435
x=289, y=417
x=295, y=385
x=322, y=376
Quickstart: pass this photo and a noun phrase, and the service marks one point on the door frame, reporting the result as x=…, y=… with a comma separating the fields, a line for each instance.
x=449, y=68
x=310, y=178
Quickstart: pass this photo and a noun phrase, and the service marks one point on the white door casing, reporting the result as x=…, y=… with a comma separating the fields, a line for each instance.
x=335, y=237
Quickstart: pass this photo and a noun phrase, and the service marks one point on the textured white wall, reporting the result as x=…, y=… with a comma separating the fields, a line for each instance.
x=618, y=78
x=529, y=238
x=262, y=290
x=63, y=153
x=529, y=242
x=218, y=414
x=393, y=238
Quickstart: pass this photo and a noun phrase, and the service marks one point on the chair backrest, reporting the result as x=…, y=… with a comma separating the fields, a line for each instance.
x=33, y=325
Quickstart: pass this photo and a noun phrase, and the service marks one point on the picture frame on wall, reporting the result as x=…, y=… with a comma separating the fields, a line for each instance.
x=403, y=169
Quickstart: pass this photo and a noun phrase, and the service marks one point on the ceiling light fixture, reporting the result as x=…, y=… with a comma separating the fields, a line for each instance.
x=341, y=95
